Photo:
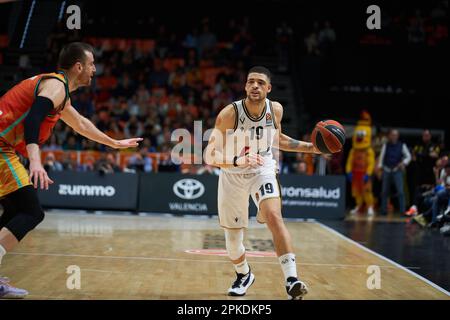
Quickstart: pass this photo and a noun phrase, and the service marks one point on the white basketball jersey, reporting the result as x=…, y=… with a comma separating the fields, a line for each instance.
x=255, y=135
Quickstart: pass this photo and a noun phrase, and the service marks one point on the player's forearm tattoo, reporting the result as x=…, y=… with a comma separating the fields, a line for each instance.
x=293, y=143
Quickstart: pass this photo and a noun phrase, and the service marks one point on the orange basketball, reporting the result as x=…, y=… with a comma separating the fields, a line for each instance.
x=328, y=136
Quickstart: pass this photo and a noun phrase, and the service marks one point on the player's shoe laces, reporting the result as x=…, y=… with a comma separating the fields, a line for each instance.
x=295, y=288
x=241, y=284
x=7, y=291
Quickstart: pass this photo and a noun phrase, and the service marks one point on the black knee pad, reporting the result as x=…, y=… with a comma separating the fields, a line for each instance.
x=23, y=223
x=9, y=211
x=28, y=212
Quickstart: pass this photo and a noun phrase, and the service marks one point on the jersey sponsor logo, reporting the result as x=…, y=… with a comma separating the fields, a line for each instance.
x=269, y=120
x=188, y=189
x=86, y=190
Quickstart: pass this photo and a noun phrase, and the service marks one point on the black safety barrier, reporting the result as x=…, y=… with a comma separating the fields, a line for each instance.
x=317, y=197
x=91, y=191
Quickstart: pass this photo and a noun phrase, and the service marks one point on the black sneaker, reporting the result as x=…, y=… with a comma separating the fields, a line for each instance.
x=241, y=284
x=295, y=289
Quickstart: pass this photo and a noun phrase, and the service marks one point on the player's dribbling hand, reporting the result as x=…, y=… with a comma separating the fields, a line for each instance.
x=251, y=160
x=39, y=175
x=127, y=143
x=315, y=150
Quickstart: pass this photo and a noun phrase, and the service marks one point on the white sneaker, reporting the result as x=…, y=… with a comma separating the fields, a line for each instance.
x=354, y=211
x=296, y=289
x=447, y=211
x=241, y=284
x=370, y=212
x=7, y=291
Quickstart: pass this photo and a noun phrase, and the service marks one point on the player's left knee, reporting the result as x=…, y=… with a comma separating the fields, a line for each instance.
x=234, y=243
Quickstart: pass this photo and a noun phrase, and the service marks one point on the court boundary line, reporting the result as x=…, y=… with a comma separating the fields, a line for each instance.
x=418, y=276
x=70, y=255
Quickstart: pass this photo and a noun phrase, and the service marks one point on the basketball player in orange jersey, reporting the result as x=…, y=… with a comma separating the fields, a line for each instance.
x=28, y=113
x=253, y=172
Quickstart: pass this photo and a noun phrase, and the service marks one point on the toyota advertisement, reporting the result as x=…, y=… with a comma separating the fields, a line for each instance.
x=176, y=193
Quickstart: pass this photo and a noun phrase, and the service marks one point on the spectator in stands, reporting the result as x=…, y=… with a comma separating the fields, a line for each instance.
x=206, y=41
x=439, y=169
x=140, y=161
x=165, y=163
x=133, y=128
x=52, y=144
x=191, y=39
x=72, y=143
x=107, y=164
x=60, y=131
x=125, y=87
x=51, y=164
x=284, y=35
x=442, y=200
x=301, y=168
x=114, y=131
x=437, y=202
x=394, y=158
x=24, y=62
x=283, y=167
x=312, y=44
x=424, y=158
x=88, y=164
x=335, y=163
x=159, y=77
x=416, y=31
x=147, y=144
x=326, y=38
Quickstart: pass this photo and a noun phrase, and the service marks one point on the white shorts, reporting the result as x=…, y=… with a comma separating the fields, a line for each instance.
x=234, y=192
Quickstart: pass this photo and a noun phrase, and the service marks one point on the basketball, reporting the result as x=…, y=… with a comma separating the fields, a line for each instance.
x=328, y=136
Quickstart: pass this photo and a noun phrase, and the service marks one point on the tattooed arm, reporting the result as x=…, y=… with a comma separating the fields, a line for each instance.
x=284, y=142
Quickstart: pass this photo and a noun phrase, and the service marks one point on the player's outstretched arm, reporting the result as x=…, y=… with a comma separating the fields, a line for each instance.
x=87, y=129
x=284, y=142
x=215, y=152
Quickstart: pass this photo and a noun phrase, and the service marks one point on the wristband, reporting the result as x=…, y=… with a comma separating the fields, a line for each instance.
x=234, y=161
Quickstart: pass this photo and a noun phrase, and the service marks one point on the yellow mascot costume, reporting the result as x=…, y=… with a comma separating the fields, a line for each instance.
x=360, y=165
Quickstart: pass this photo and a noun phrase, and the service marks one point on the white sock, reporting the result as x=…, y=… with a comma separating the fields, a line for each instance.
x=242, y=267
x=288, y=265
x=2, y=253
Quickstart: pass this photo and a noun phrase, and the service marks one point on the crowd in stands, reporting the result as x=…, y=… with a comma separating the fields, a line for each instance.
x=148, y=88
x=320, y=39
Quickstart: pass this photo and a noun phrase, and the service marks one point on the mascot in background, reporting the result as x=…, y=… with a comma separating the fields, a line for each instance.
x=360, y=165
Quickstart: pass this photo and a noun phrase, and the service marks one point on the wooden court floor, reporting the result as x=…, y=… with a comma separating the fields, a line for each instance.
x=150, y=257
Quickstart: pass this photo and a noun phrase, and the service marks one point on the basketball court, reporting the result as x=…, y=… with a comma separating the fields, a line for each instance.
x=170, y=257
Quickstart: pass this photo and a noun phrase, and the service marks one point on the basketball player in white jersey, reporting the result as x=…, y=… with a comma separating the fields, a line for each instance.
x=250, y=170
